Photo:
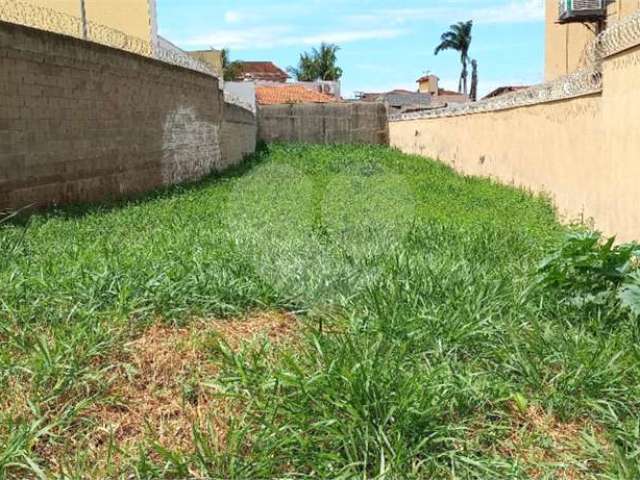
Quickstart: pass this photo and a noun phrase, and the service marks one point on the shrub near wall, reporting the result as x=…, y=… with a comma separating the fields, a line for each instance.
x=84, y=122
x=329, y=123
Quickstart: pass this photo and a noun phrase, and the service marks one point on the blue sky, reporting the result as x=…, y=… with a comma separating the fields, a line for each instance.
x=385, y=44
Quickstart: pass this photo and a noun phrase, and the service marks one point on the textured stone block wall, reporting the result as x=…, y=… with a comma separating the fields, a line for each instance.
x=330, y=123
x=238, y=134
x=83, y=122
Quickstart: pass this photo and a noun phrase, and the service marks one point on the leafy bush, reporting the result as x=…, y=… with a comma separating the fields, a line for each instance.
x=630, y=293
x=587, y=270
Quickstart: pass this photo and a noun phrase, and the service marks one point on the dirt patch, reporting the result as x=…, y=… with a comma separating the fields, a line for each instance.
x=161, y=391
x=542, y=442
x=14, y=401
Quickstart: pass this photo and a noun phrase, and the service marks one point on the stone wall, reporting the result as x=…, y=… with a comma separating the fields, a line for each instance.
x=84, y=122
x=583, y=152
x=238, y=134
x=328, y=123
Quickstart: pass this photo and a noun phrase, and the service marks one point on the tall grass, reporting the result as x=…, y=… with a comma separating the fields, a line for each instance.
x=430, y=350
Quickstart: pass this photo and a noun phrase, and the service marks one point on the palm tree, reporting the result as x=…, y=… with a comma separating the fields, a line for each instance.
x=473, y=93
x=458, y=38
x=319, y=64
x=307, y=69
x=326, y=59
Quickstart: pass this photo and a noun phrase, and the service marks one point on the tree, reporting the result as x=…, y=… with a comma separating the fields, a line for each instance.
x=473, y=93
x=307, y=69
x=230, y=70
x=319, y=64
x=458, y=38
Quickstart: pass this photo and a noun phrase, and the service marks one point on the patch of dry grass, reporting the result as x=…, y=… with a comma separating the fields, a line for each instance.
x=543, y=443
x=157, y=392
x=14, y=402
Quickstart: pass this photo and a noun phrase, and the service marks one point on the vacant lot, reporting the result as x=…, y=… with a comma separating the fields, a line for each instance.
x=335, y=312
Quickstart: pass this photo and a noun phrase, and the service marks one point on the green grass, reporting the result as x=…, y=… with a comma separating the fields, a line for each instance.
x=428, y=349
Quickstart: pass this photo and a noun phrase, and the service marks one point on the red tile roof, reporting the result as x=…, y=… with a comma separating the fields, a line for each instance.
x=290, y=94
x=426, y=78
x=261, y=71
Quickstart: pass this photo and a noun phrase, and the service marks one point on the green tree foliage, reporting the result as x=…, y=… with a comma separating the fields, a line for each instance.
x=230, y=69
x=319, y=64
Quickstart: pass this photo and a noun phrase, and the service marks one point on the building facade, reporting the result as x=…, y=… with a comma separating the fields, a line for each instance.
x=212, y=58
x=428, y=84
x=134, y=18
x=566, y=43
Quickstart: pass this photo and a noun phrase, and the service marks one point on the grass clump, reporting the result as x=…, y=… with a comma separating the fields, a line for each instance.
x=429, y=346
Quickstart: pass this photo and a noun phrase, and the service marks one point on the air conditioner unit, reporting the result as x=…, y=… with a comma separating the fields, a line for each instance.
x=582, y=11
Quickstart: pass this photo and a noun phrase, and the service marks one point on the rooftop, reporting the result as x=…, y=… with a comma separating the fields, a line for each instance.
x=399, y=98
x=426, y=78
x=290, y=94
x=261, y=71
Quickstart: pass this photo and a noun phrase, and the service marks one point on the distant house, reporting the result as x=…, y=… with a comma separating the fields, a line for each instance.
x=260, y=71
x=504, y=90
x=287, y=94
x=399, y=100
x=428, y=84
x=429, y=96
x=449, y=96
x=441, y=97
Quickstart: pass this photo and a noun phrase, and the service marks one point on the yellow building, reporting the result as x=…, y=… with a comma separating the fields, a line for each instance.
x=212, y=58
x=134, y=18
x=566, y=43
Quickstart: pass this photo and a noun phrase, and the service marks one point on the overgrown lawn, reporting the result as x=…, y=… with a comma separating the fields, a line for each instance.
x=422, y=343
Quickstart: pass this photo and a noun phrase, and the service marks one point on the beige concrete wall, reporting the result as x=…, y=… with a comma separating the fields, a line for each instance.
x=620, y=173
x=565, y=44
x=83, y=122
x=621, y=8
x=583, y=152
x=239, y=134
x=70, y=7
x=328, y=123
x=133, y=17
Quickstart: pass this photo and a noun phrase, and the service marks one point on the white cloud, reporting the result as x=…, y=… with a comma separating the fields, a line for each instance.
x=241, y=38
x=232, y=16
x=281, y=36
x=350, y=36
x=516, y=11
x=512, y=11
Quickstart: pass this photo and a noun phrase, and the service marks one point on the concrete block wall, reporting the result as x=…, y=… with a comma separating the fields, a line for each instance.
x=328, y=123
x=238, y=134
x=83, y=122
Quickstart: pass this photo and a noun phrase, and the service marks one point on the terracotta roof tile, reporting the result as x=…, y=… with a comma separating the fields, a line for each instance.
x=290, y=94
x=261, y=71
x=426, y=78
